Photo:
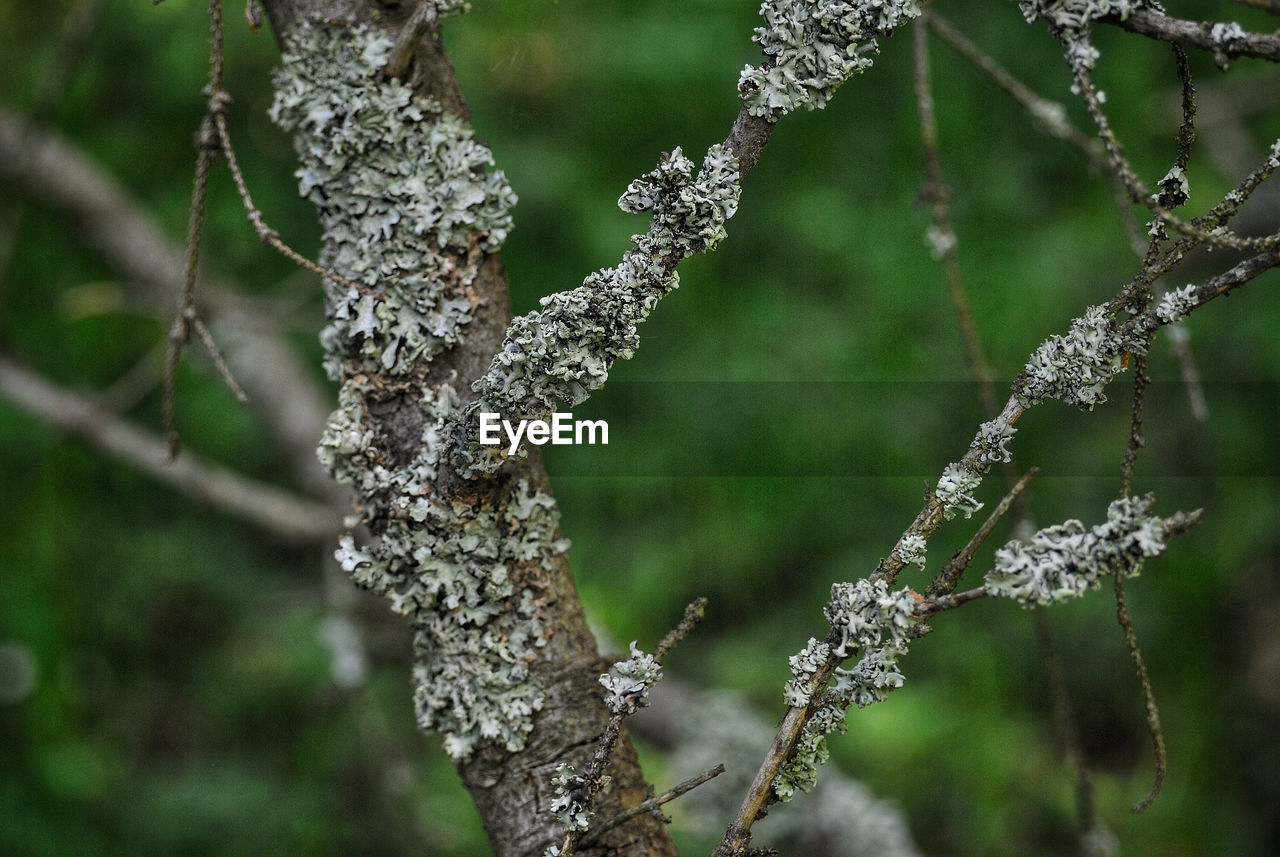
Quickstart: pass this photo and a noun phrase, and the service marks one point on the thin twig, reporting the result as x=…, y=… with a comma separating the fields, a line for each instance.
x=1049, y=115
x=1064, y=722
x=595, y=832
x=188, y=318
x=111, y=222
x=1141, y=194
x=949, y=601
x=947, y=579
x=266, y=234
x=1153, y=711
x=180, y=330
x=220, y=363
x=942, y=236
x=1187, y=130
x=693, y=614
x=212, y=140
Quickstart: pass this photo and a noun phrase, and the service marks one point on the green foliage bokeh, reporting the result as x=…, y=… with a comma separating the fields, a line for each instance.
x=771, y=437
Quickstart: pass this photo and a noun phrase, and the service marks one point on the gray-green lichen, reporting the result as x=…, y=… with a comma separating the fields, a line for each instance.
x=1176, y=303
x=813, y=46
x=1075, y=368
x=1065, y=560
x=465, y=577
x=912, y=549
x=569, y=803
x=1174, y=188
x=406, y=207
x=564, y=351
x=627, y=683
x=991, y=444
x=803, y=665
x=395, y=182
x=866, y=615
x=955, y=488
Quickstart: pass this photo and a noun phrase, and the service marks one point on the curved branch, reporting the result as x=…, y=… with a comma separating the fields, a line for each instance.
x=287, y=516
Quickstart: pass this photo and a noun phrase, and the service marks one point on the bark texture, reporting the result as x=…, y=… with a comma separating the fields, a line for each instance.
x=476, y=565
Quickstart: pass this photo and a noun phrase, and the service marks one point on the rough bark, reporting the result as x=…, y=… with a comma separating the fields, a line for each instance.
x=510, y=780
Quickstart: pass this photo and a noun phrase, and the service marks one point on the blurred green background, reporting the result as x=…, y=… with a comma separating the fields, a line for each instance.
x=166, y=685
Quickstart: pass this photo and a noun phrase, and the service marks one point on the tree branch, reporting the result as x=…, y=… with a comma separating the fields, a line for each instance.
x=285, y=515
x=1225, y=41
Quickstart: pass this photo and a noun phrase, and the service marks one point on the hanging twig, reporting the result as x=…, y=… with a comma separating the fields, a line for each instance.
x=206, y=151
x=212, y=141
x=1065, y=723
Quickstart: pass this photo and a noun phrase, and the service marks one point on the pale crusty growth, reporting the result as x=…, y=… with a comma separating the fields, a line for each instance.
x=627, y=683
x=813, y=46
x=449, y=569
x=803, y=665
x=913, y=549
x=1176, y=303
x=569, y=804
x=955, y=490
x=991, y=444
x=1065, y=560
x=1076, y=367
x=867, y=615
x=565, y=350
x=397, y=183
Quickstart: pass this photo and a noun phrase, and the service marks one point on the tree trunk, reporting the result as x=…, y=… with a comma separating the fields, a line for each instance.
x=506, y=668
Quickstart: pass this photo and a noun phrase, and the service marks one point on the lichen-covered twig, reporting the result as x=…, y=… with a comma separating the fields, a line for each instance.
x=1065, y=560
x=564, y=351
x=1074, y=368
x=1071, y=24
x=627, y=686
